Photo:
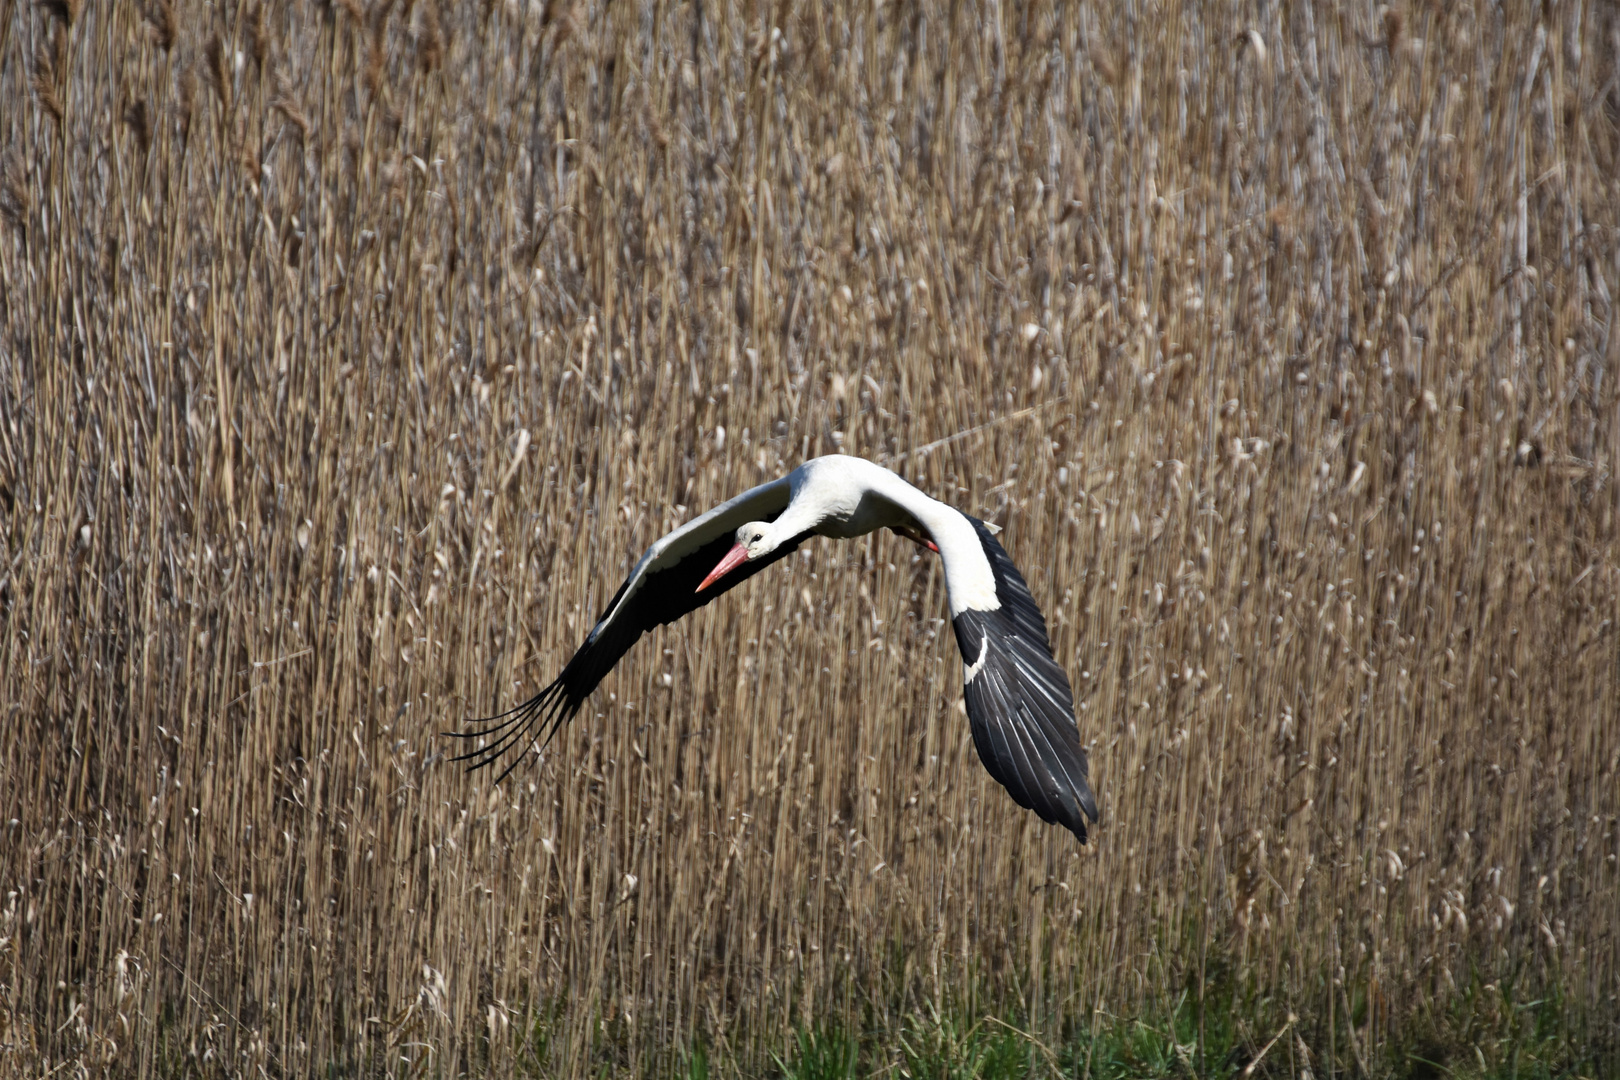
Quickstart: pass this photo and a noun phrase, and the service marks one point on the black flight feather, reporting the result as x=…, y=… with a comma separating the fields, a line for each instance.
x=1019, y=702
x=663, y=596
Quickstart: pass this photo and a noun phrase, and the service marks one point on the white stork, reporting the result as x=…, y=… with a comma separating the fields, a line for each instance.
x=1018, y=697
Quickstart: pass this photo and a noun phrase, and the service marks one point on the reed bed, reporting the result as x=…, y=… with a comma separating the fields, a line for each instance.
x=351, y=354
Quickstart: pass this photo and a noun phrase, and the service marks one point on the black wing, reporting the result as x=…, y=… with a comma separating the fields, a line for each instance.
x=1019, y=702
x=661, y=589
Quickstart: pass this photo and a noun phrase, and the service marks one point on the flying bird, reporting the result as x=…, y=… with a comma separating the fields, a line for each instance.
x=1018, y=699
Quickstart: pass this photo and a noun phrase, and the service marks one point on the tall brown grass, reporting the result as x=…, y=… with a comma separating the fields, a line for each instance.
x=352, y=353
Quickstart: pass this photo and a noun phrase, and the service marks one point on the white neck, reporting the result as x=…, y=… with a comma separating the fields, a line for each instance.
x=844, y=497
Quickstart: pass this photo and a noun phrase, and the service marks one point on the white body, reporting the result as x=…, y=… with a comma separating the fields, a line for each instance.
x=845, y=497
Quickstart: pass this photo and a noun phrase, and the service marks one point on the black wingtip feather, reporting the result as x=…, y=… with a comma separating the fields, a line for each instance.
x=665, y=596
x=1020, y=704
x=541, y=715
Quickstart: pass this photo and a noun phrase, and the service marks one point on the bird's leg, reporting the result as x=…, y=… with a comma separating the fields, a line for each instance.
x=915, y=537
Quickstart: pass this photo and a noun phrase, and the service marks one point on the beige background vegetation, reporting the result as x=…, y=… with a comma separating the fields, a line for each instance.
x=352, y=354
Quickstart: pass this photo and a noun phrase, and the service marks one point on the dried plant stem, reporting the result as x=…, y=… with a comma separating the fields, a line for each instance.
x=1277, y=341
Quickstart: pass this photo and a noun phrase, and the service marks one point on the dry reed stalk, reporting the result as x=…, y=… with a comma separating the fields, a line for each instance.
x=159, y=17
x=1287, y=370
x=15, y=200
x=65, y=12
x=45, y=78
x=219, y=73
x=138, y=120
x=259, y=43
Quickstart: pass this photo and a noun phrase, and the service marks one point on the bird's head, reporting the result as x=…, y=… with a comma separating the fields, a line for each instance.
x=755, y=540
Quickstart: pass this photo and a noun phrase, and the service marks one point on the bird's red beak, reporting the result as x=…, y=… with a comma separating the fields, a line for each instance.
x=734, y=558
x=916, y=538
